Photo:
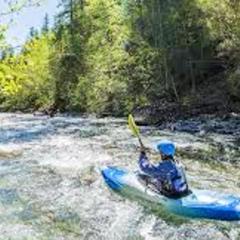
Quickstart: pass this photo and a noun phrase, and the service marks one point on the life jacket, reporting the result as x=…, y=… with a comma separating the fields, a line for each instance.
x=167, y=177
x=175, y=185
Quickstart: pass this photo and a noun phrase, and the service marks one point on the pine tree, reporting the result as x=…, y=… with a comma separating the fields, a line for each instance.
x=45, y=27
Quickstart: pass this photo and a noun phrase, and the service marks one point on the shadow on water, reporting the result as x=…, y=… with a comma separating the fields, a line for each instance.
x=30, y=129
x=23, y=135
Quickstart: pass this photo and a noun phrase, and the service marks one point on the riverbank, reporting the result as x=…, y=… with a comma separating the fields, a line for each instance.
x=174, y=119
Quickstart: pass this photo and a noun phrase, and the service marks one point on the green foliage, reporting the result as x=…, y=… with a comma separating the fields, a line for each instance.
x=222, y=21
x=25, y=79
x=109, y=57
x=120, y=66
x=3, y=44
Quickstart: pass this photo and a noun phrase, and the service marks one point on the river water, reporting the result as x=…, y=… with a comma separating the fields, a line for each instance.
x=51, y=187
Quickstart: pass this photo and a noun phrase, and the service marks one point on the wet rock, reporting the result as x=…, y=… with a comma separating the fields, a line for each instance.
x=88, y=176
x=39, y=113
x=10, y=152
x=187, y=126
x=205, y=125
x=210, y=152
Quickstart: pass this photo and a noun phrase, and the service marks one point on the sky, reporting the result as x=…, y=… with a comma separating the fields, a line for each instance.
x=21, y=22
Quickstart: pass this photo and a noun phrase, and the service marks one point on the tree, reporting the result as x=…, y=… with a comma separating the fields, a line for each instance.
x=26, y=81
x=33, y=33
x=45, y=27
x=17, y=5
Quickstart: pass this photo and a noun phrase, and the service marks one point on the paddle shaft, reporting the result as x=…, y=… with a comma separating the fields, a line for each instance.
x=140, y=141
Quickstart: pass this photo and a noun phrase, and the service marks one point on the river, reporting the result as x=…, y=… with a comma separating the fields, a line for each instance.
x=51, y=186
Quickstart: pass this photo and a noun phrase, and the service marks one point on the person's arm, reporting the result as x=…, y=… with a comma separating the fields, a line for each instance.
x=145, y=165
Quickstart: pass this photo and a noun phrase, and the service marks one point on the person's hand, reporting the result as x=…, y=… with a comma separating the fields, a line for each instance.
x=142, y=149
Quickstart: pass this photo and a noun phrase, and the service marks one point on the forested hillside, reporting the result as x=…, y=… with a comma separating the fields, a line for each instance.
x=111, y=57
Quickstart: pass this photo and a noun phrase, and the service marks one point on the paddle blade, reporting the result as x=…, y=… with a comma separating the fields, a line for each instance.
x=132, y=126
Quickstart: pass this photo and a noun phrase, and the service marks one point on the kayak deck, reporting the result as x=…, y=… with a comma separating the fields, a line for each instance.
x=198, y=204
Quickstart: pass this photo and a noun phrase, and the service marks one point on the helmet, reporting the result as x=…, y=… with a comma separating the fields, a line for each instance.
x=166, y=147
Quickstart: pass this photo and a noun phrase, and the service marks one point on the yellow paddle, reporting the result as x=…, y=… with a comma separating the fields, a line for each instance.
x=135, y=129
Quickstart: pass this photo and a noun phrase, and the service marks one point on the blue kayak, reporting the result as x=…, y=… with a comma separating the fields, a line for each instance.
x=197, y=204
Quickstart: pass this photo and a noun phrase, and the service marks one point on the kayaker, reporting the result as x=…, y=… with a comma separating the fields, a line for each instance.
x=167, y=176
